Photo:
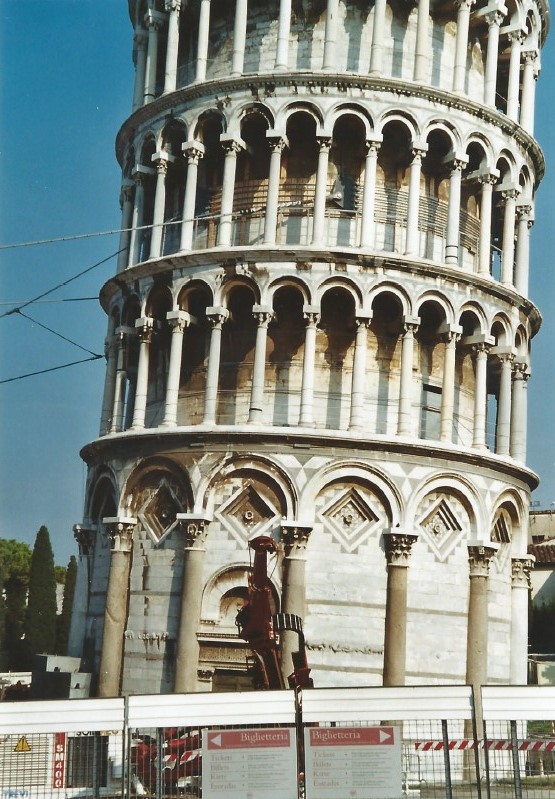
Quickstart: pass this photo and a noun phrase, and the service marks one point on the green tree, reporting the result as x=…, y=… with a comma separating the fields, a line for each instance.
x=15, y=563
x=40, y=620
x=64, y=619
x=3, y=651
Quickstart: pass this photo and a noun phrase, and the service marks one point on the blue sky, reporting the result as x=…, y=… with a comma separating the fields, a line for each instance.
x=67, y=81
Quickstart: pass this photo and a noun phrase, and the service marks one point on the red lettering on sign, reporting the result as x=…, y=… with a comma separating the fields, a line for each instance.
x=352, y=736
x=249, y=739
x=59, y=757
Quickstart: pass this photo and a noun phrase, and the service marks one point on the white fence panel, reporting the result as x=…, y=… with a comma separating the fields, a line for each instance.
x=65, y=715
x=375, y=704
x=518, y=703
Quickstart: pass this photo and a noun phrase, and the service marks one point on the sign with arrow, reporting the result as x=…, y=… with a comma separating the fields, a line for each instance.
x=254, y=763
x=353, y=763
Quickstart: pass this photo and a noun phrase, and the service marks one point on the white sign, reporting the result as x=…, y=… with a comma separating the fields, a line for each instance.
x=249, y=764
x=353, y=763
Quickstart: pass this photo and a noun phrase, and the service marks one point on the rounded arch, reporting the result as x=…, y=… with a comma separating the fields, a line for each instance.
x=283, y=118
x=509, y=521
x=242, y=466
x=103, y=496
x=438, y=127
x=230, y=582
x=403, y=118
x=353, y=471
x=449, y=484
x=501, y=330
x=150, y=473
x=341, y=109
x=340, y=284
x=395, y=290
x=472, y=319
x=433, y=298
x=296, y=283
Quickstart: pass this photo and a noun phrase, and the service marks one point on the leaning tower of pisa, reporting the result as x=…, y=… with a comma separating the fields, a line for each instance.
x=319, y=330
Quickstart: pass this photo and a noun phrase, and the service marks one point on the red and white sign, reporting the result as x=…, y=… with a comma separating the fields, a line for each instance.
x=249, y=764
x=353, y=763
x=59, y=760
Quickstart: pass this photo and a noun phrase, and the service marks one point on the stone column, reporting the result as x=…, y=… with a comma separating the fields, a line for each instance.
x=139, y=58
x=202, y=44
x=126, y=204
x=232, y=146
x=368, y=226
x=239, y=37
x=480, y=393
x=486, y=195
x=284, y=28
x=277, y=143
x=293, y=599
x=332, y=13
x=376, y=52
x=312, y=315
x=494, y=20
x=513, y=89
x=528, y=95
x=111, y=346
x=358, y=391
x=503, y=434
x=454, y=211
x=461, y=44
x=412, y=244
x=194, y=150
x=451, y=337
x=161, y=159
x=508, y=246
x=153, y=23
x=145, y=329
x=404, y=421
x=519, y=413
x=194, y=527
x=397, y=549
x=522, y=255
x=263, y=316
x=123, y=334
x=179, y=321
x=423, y=49
x=120, y=529
x=85, y=536
x=479, y=557
x=520, y=592
x=173, y=7
x=216, y=317
x=321, y=191
x=137, y=232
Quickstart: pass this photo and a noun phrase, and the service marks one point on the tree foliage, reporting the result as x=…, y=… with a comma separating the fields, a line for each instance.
x=40, y=621
x=64, y=619
x=15, y=564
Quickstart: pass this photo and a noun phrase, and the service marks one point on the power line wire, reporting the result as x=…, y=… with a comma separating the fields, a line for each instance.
x=51, y=369
x=17, y=309
x=55, y=333
x=13, y=303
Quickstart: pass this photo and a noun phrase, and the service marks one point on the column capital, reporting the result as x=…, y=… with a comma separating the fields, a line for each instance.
x=324, y=142
x=194, y=150
x=179, y=320
x=295, y=536
x=489, y=177
x=126, y=193
x=161, y=160
x=398, y=548
x=509, y=194
x=520, y=571
x=495, y=18
x=145, y=328
x=465, y=5
x=450, y=332
x=140, y=39
x=263, y=314
x=456, y=163
x=525, y=211
x=363, y=318
x=85, y=536
x=120, y=530
x=514, y=34
x=232, y=144
x=217, y=315
x=411, y=323
x=276, y=141
x=154, y=20
x=373, y=144
x=312, y=314
x=479, y=556
x=172, y=5
x=195, y=528
x=521, y=371
x=418, y=149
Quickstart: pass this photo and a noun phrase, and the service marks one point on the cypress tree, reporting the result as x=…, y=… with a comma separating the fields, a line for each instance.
x=64, y=619
x=15, y=562
x=40, y=622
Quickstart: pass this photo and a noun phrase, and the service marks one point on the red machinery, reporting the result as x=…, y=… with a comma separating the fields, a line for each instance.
x=173, y=760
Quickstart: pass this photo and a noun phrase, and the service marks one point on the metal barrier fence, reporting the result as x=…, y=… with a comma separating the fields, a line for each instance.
x=422, y=742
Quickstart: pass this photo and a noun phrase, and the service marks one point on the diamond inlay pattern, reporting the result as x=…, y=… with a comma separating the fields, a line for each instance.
x=158, y=513
x=247, y=514
x=443, y=524
x=350, y=518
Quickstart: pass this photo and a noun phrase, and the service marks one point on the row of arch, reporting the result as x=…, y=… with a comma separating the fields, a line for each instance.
x=109, y=496
x=396, y=187
x=471, y=47
x=390, y=366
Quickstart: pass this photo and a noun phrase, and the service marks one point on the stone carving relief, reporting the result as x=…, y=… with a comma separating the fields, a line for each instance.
x=158, y=509
x=351, y=517
x=247, y=512
x=444, y=522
